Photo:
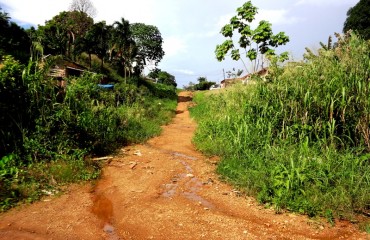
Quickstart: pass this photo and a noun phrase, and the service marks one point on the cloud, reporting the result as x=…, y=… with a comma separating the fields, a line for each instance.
x=126, y=9
x=215, y=27
x=26, y=11
x=276, y=16
x=326, y=2
x=184, y=71
x=174, y=45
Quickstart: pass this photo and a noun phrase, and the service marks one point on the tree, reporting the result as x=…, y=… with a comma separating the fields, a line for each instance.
x=166, y=78
x=124, y=45
x=203, y=84
x=54, y=39
x=358, y=19
x=83, y=6
x=60, y=34
x=13, y=39
x=99, y=36
x=149, y=42
x=202, y=79
x=89, y=42
x=153, y=74
x=256, y=43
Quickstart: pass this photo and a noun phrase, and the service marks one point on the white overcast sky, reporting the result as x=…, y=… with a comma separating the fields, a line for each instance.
x=190, y=28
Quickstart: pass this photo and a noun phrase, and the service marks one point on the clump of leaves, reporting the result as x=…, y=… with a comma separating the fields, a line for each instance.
x=255, y=42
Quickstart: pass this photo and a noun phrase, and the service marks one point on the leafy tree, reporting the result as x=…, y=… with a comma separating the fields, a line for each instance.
x=54, y=38
x=154, y=73
x=149, y=43
x=358, y=18
x=63, y=31
x=83, y=6
x=89, y=42
x=13, y=39
x=258, y=42
x=166, y=78
x=202, y=79
x=99, y=35
x=203, y=84
x=4, y=19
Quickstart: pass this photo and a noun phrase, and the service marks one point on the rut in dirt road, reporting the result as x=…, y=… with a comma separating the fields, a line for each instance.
x=163, y=189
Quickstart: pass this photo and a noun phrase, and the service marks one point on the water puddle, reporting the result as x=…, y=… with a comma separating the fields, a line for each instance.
x=177, y=154
x=192, y=184
x=170, y=190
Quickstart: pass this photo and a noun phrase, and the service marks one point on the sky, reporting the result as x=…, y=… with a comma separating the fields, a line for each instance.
x=191, y=28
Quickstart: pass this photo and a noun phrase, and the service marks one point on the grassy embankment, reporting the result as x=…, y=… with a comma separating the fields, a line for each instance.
x=301, y=140
x=49, y=135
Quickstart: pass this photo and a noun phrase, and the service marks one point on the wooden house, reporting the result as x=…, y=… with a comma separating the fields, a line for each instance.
x=63, y=69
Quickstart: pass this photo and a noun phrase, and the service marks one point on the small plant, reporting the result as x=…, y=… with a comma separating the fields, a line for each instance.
x=330, y=217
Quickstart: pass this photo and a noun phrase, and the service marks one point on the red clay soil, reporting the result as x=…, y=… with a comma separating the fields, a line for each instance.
x=163, y=189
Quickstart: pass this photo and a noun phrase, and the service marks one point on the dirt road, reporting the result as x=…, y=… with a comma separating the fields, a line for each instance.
x=163, y=189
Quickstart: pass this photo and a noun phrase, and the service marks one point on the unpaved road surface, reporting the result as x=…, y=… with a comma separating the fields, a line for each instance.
x=163, y=189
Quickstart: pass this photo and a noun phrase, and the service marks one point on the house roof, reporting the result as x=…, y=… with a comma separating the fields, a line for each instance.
x=60, y=66
x=260, y=72
x=235, y=79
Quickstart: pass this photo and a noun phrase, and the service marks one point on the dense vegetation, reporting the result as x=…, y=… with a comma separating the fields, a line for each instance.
x=358, y=19
x=203, y=84
x=301, y=139
x=49, y=133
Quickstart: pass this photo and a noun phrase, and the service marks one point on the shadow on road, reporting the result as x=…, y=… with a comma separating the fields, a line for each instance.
x=184, y=99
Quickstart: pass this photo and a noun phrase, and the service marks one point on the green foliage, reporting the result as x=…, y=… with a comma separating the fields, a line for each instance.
x=358, y=19
x=160, y=90
x=149, y=42
x=47, y=131
x=8, y=174
x=299, y=141
x=13, y=39
x=263, y=37
x=203, y=84
x=64, y=33
x=13, y=105
x=166, y=78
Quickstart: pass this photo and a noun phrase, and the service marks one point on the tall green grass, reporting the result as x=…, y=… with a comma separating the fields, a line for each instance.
x=299, y=141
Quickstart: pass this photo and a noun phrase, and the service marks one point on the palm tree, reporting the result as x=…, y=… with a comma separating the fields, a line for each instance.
x=97, y=41
x=124, y=44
